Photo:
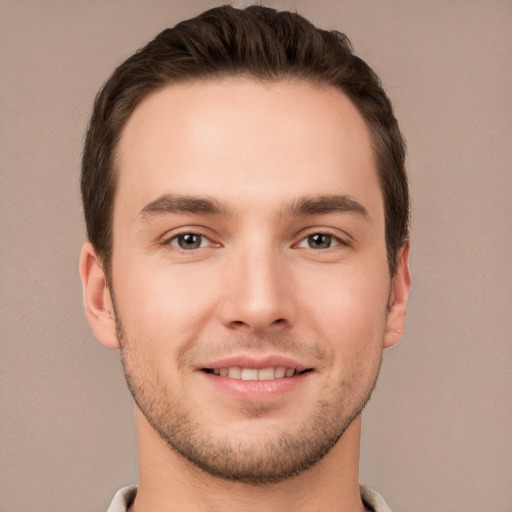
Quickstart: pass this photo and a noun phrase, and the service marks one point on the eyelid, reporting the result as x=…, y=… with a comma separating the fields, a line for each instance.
x=173, y=234
x=174, y=241
x=341, y=237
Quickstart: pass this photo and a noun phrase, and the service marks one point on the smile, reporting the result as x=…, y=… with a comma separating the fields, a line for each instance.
x=270, y=373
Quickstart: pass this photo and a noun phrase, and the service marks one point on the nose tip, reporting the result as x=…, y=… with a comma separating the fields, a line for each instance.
x=258, y=322
x=256, y=298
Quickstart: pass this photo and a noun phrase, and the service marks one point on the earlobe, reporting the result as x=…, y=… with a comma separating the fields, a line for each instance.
x=400, y=289
x=98, y=305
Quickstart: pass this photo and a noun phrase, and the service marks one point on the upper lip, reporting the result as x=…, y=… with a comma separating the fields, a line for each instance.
x=256, y=362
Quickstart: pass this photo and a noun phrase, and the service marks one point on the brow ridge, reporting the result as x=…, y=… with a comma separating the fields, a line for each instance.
x=300, y=207
x=324, y=204
x=169, y=203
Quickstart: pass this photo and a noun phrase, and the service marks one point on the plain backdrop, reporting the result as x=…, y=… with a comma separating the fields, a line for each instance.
x=437, y=434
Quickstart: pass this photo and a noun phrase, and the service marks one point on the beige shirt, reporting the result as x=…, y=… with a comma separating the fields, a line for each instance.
x=124, y=497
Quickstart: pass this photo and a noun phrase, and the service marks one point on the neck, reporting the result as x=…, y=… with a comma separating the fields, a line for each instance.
x=169, y=482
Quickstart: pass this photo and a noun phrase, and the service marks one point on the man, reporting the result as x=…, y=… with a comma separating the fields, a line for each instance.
x=247, y=214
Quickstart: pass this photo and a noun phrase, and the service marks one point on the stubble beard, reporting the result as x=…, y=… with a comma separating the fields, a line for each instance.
x=250, y=461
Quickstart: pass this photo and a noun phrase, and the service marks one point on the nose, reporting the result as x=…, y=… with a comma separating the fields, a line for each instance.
x=258, y=293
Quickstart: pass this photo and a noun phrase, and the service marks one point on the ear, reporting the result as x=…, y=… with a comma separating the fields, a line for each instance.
x=400, y=288
x=99, y=309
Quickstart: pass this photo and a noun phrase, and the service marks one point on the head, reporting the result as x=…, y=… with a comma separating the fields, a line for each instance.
x=259, y=43
x=247, y=208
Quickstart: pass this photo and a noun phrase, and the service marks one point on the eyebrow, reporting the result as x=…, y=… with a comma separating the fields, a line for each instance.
x=301, y=207
x=169, y=203
x=322, y=205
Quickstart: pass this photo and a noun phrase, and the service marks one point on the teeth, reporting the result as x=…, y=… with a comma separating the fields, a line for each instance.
x=280, y=372
x=266, y=374
x=235, y=372
x=249, y=374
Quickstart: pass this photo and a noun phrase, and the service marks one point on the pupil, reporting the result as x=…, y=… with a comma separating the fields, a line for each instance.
x=319, y=241
x=189, y=241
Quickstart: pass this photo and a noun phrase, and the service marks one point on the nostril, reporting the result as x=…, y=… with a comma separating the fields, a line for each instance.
x=240, y=325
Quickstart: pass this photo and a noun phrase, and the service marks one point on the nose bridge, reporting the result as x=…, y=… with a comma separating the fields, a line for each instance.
x=256, y=295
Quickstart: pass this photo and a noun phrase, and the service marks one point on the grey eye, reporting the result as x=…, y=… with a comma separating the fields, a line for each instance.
x=319, y=241
x=188, y=241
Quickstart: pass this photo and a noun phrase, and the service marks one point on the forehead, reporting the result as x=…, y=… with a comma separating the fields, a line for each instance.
x=237, y=139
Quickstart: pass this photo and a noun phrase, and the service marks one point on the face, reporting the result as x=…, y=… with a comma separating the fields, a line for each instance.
x=249, y=273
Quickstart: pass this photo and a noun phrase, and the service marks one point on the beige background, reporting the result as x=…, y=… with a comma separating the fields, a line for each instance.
x=437, y=435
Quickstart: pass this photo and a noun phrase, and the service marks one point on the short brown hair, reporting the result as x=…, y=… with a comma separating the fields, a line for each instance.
x=257, y=42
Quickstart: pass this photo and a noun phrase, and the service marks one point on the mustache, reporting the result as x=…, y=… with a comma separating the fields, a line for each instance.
x=285, y=344
x=311, y=350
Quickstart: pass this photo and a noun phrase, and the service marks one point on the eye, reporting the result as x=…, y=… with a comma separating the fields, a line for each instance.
x=319, y=241
x=189, y=241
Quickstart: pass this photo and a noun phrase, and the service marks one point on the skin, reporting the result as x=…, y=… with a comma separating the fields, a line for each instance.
x=257, y=286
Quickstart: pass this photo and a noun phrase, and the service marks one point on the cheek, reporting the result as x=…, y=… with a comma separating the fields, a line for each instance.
x=348, y=309
x=163, y=302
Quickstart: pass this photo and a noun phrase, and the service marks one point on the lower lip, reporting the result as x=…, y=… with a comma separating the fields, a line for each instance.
x=257, y=389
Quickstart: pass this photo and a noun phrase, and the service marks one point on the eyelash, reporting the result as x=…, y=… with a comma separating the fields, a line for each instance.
x=338, y=241
x=333, y=235
x=331, y=241
x=175, y=237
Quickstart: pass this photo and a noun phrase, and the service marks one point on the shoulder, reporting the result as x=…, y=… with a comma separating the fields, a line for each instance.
x=371, y=498
x=123, y=499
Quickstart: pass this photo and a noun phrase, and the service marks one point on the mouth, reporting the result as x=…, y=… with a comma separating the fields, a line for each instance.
x=257, y=377
x=256, y=374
